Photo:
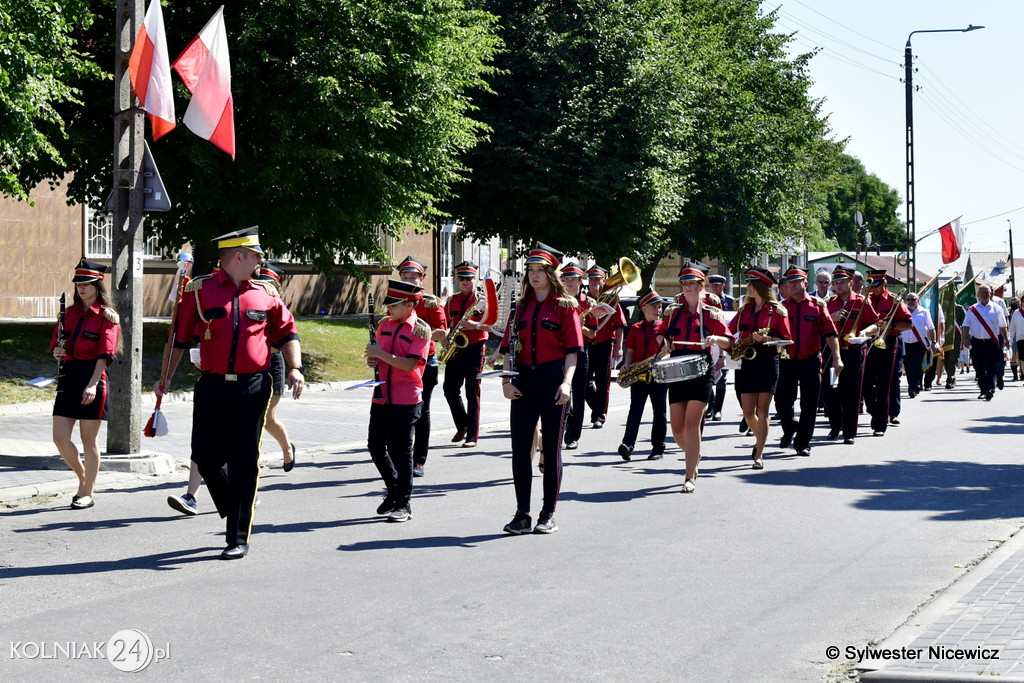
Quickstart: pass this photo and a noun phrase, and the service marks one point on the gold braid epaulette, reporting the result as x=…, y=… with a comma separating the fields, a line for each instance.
x=111, y=315
x=195, y=284
x=421, y=329
x=567, y=302
x=269, y=286
x=715, y=313
x=780, y=309
x=668, y=311
x=714, y=298
x=431, y=301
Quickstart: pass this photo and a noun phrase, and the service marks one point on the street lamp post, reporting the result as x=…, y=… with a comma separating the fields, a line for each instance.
x=908, y=65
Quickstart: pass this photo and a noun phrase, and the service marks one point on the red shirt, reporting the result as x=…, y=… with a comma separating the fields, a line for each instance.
x=401, y=387
x=682, y=327
x=548, y=330
x=618, y=320
x=88, y=335
x=853, y=307
x=883, y=303
x=433, y=316
x=454, y=308
x=809, y=322
x=642, y=337
x=747, y=321
x=242, y=322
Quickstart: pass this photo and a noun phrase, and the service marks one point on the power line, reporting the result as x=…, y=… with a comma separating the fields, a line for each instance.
x=833, y=38
x=843, y=25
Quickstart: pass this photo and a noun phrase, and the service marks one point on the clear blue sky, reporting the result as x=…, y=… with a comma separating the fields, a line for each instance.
x=968, y=123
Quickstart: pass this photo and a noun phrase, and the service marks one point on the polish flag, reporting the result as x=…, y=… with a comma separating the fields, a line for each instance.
x=952, y=241
x=205, y=68
x=149, y=69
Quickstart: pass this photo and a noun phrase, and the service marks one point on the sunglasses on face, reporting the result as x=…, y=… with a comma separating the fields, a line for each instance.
x=823, y=282
x=465, y=279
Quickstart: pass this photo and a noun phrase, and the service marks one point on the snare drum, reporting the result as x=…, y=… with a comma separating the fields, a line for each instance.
x=679, y=368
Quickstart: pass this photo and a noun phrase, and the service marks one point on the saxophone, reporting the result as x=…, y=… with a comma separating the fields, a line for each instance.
x=743, y=349
x=641, y=371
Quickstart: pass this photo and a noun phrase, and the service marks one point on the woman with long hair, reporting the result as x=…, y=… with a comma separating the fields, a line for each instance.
x=691, y=329
x=763, y=319
x=92, y=329
x=547, y=328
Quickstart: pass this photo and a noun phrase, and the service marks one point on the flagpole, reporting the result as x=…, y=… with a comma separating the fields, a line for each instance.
x=1013, y=277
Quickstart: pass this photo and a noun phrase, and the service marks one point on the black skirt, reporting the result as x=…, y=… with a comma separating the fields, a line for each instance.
x=697, y=389
x=759, y=374
x=277, y=372
x=77, y=374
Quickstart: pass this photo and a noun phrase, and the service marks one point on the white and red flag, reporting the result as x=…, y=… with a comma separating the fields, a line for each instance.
x=205, y=68
x=149, y=69
x=952, y=241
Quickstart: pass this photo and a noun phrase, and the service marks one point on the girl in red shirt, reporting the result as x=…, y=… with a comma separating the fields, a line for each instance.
x=92, y=338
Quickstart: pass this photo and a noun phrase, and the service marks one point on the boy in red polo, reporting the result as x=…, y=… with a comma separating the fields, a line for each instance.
x=400, y=354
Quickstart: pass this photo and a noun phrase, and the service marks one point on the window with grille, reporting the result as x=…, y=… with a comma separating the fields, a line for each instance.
x=99, y=240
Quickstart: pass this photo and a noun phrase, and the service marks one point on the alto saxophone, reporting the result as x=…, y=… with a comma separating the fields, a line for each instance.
x=641, y=371
x=743, y=349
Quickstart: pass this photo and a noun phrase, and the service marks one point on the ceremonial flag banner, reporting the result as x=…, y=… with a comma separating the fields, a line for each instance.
x=149, y=70
x=952, y=241
x=205, y=68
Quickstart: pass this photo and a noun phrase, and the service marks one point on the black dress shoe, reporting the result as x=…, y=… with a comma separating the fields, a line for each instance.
x=387, y=506
x=804, y=452
x=235, y=552
x=571, y=445
x=833, y=435
x=625, y=451
x=848, y=441
x=989, y=395
x=289, y=465
x=656, y=455
x=785, y=440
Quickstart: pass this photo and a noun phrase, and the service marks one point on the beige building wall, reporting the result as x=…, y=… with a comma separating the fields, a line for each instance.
x=41, y=245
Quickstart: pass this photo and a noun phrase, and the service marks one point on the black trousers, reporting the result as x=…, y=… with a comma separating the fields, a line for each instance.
x=803, y=376
x=537, y=384
x=599, y=371
x=578, y=403
x=227, y=427
x=914, y=355
x=987, y=356
x=390, y=444
x=639, y=394
x=843, y=401
x=895, y=400
x=422, y=441
x=878, y=371
x=720, y=390
x=951, y=358
x=461, y=372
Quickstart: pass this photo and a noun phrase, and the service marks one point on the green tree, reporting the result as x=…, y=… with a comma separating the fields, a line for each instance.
x=854, y=189
x=586, y=124
x=38, y=62
x=350, y=117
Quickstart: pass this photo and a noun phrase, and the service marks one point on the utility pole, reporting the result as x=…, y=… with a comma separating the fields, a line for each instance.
x=125, y=426
x=1013, y=277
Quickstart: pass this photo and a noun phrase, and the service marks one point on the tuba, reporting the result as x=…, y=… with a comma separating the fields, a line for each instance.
x=627, y=274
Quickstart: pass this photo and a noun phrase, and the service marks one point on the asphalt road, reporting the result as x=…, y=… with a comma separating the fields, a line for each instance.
x=750, y=578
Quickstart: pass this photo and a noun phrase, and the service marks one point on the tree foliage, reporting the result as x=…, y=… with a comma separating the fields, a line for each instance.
x=38, y=62
x=350, y=117
x=646, y=127
x=854, y=189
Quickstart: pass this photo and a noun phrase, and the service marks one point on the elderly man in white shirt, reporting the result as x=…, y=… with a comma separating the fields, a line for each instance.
x=1017, y=338
x=985, y=336
x=919, y=340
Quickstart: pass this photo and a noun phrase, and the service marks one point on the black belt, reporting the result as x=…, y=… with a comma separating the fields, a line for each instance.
x=234, y=377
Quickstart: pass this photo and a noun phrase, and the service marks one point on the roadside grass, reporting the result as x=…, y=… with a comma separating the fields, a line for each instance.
x=332, y=351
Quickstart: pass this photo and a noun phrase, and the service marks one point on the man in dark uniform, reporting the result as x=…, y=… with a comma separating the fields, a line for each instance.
x=237, y=319
x=882, y=361
x=716, y=286
x=810, y=323
x=463, y=368
x=430, y=311
x=572, y=278
x=603, y=352
x=853, y=317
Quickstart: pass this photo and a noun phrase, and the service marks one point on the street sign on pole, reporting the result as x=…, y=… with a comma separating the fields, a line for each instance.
x=154, y=195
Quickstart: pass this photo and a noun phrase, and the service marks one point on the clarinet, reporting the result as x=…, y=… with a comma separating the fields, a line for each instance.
x=377, y=393
x=60, y=341
x=513, y=343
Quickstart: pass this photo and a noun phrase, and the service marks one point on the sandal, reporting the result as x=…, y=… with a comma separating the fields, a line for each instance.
x=688, y=486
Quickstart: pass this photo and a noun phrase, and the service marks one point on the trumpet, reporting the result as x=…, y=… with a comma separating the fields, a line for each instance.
x=879, y=340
